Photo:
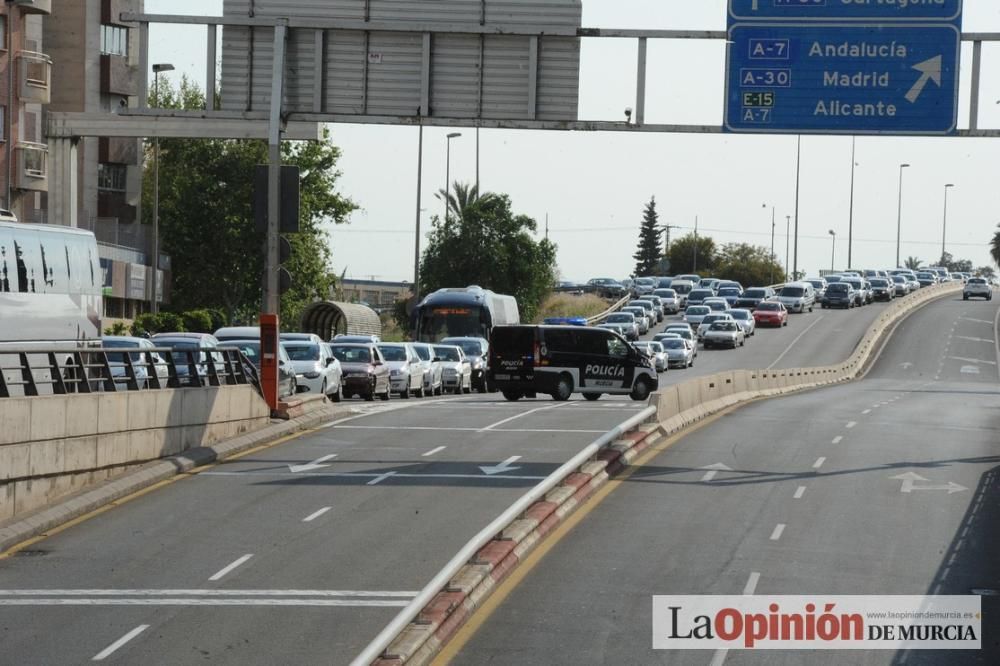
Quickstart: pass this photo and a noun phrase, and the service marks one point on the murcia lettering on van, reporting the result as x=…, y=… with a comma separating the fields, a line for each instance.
x=605, y=371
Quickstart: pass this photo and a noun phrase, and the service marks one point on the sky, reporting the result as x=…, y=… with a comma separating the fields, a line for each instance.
x=593, y=186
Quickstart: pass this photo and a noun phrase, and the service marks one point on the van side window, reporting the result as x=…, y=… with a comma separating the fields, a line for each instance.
x=559, y=341
x=591, y=342
x=617, y=348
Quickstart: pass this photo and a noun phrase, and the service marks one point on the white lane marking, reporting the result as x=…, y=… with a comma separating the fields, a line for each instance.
x=970, y=370
x=851, y=424
x=114, y=647
x=313, y=516
x=714, y=470
x=205, y=593
x=751, y=585
x=494, y=426
x=433, y=451
x=799, y=337
x=380, y=478
x=719, y=657
x=867, y=411
x=199, y=601
x=373, y=475
x=819, y=462
x=316, y=464
x=964, y=337
x=799, y=492
x=837, y=440
x=978, y=321
x=501, y=467
x=996, y=337
x=226, y=569
x=505, y=430
x=970, y=360
x=779, y=529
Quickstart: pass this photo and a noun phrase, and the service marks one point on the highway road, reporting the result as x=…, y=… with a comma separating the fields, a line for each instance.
x=301, y=552
x=843, y=490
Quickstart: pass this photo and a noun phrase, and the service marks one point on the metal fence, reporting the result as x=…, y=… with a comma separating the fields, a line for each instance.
x=34, y=372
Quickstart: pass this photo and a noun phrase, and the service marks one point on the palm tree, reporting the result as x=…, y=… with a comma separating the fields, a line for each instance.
x=913, y=263
x=461, y=197
x=995, y=246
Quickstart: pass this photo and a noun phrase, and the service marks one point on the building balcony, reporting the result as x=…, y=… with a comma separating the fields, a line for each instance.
x=32, y=161
x=118, y=77
x=35, y=77
x=34, y=6
x=118, y=150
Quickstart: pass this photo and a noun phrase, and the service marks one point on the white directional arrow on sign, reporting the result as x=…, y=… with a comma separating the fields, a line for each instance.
x=715, y=469
x=505, y=466
x=910, y=480
x=930, y=70
x=316, y=464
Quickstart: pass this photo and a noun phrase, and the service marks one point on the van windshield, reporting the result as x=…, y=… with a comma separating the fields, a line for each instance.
x=352, y=354
x=792, y=292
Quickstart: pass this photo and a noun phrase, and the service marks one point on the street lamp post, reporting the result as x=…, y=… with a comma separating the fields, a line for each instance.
x=944, y=226
x=416, y=251
x=850, y=218
x=788, y=226
x=447, y=173
x=772, y=243
x=833, y=251
x=154, y=305
x=899, y=212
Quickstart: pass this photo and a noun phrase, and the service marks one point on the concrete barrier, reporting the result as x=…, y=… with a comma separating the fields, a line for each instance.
x=54, y=445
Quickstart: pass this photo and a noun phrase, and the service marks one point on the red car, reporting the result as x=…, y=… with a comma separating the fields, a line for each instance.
x=771, y=313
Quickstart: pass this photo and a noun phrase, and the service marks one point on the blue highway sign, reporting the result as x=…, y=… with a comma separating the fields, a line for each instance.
x=847, y=79
x=871, y=11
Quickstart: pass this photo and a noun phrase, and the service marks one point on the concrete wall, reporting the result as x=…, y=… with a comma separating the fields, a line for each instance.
x=51, y=446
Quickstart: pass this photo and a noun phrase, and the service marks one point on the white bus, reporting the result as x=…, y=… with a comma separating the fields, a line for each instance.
x=50, y=284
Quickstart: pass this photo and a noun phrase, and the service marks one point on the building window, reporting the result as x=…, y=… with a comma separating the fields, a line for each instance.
x=3, y=31
x=114, y=40
x=3, y=124
x=111, y=177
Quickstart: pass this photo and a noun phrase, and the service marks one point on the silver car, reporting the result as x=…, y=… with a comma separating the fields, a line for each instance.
x=745, y=319
x=708, y=320
x=624, y=323
x=456, y=371
x=680, y=352
x=656, y=353
x=406, y=374
x=433, y=384
x=317, y=370
x=695, y=313
x=668, y=297
x=724, y=333
x=640, y=317
x=117, y=363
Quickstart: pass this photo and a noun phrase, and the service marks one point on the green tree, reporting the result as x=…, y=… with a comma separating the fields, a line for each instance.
x=462, y=196
x=682, y=255
x=750, y=265
x=986, y=271
x=648, y=254
x=207, y=225
x=913, y=263
x=995, y=246
x=487, y=227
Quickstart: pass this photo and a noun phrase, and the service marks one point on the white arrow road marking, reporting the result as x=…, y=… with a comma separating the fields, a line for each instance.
x=970, y=370
x=715, y=469
x=910, y=480
x=906, y=366
x=930, y=70
x=779, y=529
x=313, y=516
x=505, y=466
x=380, y=478
x=314, y=465
x=799, y=492
x=111, y=649
x=222, y=572
x=433, y=451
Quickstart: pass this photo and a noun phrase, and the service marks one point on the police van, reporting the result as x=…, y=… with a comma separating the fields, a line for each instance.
x=562, y=360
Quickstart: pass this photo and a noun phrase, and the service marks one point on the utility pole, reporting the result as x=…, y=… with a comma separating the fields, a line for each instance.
x=694, y=268
x=798, y=172
x=788, y=223
x=850, y=219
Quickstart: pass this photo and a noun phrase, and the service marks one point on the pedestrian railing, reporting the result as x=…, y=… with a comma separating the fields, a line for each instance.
x=33, y=372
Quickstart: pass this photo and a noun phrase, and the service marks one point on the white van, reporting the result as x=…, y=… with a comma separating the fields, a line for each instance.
x=798, y=296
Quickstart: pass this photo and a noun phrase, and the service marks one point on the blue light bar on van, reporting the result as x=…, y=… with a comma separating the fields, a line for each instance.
x=565, y=321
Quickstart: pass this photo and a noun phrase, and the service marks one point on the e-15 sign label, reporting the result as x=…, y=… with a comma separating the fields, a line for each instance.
x=758, y=99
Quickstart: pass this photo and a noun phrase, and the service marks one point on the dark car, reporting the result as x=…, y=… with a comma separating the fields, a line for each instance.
x=190, y=342
x=286, y=372
x=365, y=372
x=860, y=292
x=607, y=288
x=731, y=294
x=839, y=295
x=753, y=297
x=882, y=289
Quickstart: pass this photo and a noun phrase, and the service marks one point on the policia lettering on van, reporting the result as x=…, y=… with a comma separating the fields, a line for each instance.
x=562, y=360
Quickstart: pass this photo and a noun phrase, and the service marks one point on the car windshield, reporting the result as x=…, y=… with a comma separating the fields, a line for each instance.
x=622, y=318
x=724, y=326
x=879, y=282
x=838, y=287
x=739, y=314
x=898, y=279
x=713, y=317
x=250, y=349
x=729, y=291
x=470, y=347
x=701, y=293
x=698, y=310
x=673, y=344
x=447, y=354
x=301, y=352
x=646, y=282
x=666, y=293
x=793, y=292
x=754, y=293
x=347, y=354
x=718, y=306
x=769, y=306
x=393, y=353
x=423, y=352
x=977, y=281
x=179, y=345
x=925, y=275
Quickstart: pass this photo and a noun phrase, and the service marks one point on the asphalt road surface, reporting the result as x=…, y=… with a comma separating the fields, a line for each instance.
x=816, y=502
x=300, y=553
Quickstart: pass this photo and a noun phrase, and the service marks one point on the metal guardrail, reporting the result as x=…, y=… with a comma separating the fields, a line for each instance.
x=597, y=319
x=33, y=372
x=442, y=578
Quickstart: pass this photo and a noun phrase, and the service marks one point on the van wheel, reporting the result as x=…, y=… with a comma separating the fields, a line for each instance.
x=512, y=396
x=640, y=391
x=564, y=389
x=593, y=397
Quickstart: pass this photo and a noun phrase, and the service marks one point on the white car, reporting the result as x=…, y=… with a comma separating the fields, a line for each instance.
x=745, y=319
x=710, y=319
x=433, y=384
x=695, y=313
x=116, y=360
x=656, y=353
x=317, y=370
x=977, y=287
x=406, y=374
x=456, y=370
